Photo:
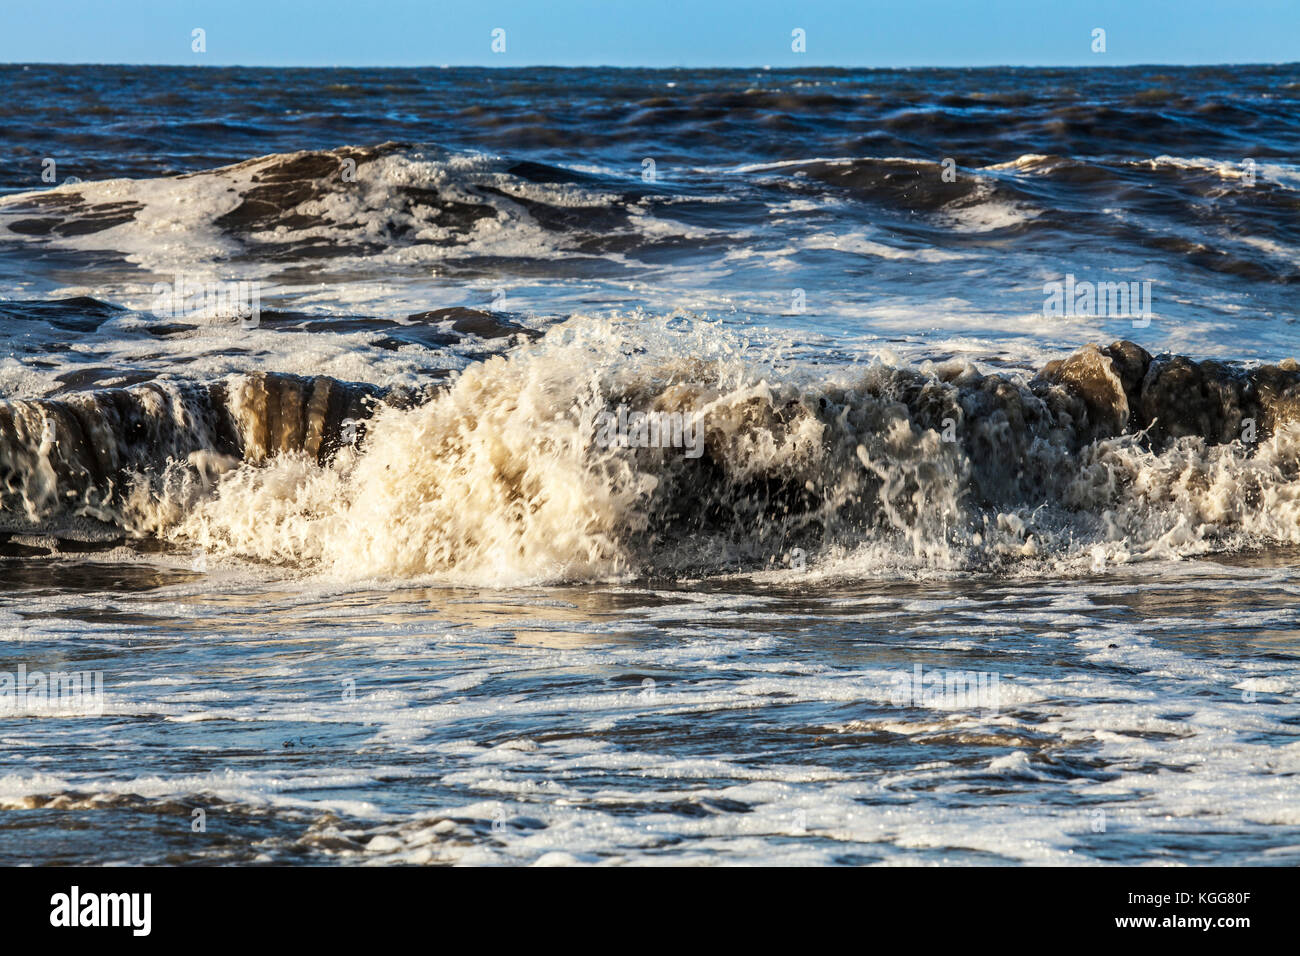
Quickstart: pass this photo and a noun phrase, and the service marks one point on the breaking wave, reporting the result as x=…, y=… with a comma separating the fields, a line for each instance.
x=353, y=202
x=1111, y=455
x=403, y=207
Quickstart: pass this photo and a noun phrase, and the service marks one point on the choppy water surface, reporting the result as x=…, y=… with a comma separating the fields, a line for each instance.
x=361, y=588
x=1143, y=717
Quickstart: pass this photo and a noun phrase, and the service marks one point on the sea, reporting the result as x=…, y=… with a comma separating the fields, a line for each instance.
x=545, y=466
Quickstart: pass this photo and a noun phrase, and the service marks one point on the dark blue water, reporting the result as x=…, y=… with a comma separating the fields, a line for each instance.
x=1183, y=177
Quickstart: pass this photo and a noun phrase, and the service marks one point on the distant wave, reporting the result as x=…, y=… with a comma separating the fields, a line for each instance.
x=357, y=203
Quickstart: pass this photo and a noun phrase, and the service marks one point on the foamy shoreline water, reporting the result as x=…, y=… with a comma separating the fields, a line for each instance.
x=1140, y=718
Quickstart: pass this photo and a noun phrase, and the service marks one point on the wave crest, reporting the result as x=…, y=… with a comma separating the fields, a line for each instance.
x=1109, y=455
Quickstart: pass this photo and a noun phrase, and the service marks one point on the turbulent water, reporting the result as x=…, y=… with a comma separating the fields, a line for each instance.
x=650, y=466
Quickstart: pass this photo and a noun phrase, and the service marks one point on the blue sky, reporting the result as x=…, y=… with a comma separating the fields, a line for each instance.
x=649, y=32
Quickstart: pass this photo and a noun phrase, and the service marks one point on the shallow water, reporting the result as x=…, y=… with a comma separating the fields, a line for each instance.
x=1147, y=716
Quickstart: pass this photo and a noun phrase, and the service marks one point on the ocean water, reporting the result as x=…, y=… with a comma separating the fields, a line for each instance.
x=306, y=409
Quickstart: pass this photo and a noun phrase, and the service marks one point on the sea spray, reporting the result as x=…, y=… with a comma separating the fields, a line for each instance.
x=501, y=477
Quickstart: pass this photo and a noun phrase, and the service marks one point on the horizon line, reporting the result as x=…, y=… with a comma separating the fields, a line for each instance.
x=767, y=68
